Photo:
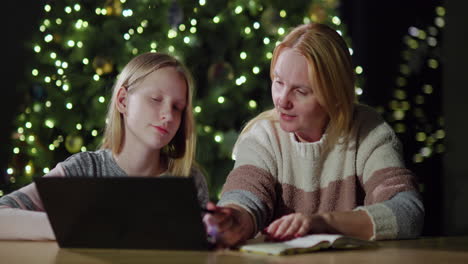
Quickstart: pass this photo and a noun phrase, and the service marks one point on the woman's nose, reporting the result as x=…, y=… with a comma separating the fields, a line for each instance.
x=284, y=102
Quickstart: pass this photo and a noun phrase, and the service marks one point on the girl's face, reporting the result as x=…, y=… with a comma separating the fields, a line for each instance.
x=154, y=109
x=294, y=98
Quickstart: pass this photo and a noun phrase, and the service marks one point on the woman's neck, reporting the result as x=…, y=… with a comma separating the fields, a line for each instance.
x=141, y=163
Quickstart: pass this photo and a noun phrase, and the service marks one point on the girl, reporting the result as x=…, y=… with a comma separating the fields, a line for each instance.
x=150, y=131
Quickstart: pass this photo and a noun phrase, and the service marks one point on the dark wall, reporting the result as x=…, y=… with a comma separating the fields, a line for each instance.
x=376, y=29
x=455, y=187
x=19, y=20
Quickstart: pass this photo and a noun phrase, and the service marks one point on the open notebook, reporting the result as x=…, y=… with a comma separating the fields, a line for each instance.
x=305, y=244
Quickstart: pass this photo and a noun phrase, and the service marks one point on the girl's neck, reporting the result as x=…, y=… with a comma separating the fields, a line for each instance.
x=141, y=163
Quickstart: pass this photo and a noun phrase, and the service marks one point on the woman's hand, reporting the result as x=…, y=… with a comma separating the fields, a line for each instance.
x=295, y=225
x=229, y=225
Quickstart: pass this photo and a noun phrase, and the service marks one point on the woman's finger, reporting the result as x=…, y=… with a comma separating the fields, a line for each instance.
x=294, y=226
x=282, y=227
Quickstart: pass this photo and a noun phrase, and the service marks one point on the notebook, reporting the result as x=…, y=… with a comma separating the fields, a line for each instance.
x=305, y=244
x=124, y=212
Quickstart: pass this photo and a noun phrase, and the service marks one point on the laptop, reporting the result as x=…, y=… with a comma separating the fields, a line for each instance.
x=124, y=212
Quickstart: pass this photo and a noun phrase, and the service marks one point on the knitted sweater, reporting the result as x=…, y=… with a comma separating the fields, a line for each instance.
x=275, y=175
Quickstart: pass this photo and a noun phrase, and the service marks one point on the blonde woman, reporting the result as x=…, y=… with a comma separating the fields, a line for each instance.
x=150, y=131
x=318, y=162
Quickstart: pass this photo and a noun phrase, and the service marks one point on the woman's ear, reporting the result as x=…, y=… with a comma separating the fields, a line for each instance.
x=121, y=102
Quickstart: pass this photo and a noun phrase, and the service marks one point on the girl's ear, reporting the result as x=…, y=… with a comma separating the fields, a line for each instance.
x=121, y=102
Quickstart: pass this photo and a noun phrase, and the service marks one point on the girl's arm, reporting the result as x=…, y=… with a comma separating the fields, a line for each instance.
x=22, y=214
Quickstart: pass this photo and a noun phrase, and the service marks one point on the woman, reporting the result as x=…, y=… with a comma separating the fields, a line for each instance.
x=318, y=162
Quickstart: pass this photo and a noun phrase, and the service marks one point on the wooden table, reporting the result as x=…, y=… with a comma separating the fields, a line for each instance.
x=425, y=250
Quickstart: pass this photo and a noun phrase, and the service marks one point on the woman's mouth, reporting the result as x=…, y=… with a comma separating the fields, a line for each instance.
x=287, y=117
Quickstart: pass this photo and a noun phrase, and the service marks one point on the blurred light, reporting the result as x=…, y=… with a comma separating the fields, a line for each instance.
x=94, y=133
x=420, y=136
x=336, y=20
x=10, y=171
x=266, y=41
x=413, y=31
x=256, y=25
x=79, y=126
x=16, y=150
x=101, y=99
x=221, y=99
x=69, y=105
x=358, y=90
x=197, y=109
x=238, y=9
x=255, y=70
x=440, y=22
x=49, y=123
x=358, y=70
x=243, y=55
x=282, y=14
x=216, y=19
x=252, y=104
x=171, y=33
x=48, y=38
x=202, y=2
x=432, y=63
x=218, y=137
x=281, y=31
x=127, y=13
x=45, y=170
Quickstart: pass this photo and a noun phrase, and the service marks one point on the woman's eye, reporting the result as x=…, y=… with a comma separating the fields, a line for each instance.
x=157, y=99
x=301, y=92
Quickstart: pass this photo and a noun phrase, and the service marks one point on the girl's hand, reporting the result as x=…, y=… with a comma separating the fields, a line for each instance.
x=294, y=225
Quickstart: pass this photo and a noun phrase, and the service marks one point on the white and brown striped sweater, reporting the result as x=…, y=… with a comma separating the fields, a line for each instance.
x=274, y=175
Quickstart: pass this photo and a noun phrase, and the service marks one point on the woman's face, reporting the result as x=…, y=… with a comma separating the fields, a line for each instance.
x=295, y=99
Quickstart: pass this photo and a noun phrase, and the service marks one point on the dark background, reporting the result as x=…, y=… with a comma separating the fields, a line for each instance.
x=376, y=29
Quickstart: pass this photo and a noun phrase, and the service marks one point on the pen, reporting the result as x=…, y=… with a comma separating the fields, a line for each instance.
x=208, y=211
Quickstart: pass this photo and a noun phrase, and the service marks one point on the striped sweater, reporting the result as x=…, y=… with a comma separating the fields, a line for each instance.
x=275, y=175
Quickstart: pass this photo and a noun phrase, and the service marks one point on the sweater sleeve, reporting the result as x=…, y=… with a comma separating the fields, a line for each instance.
x=22, y=214
x=391, y=197
x=202, y=187
x=251, y=184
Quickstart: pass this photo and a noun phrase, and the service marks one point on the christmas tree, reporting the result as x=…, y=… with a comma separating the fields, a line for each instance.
x=80, y=47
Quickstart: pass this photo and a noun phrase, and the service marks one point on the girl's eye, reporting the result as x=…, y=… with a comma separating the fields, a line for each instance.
x=279, y=82
x=157, y=99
